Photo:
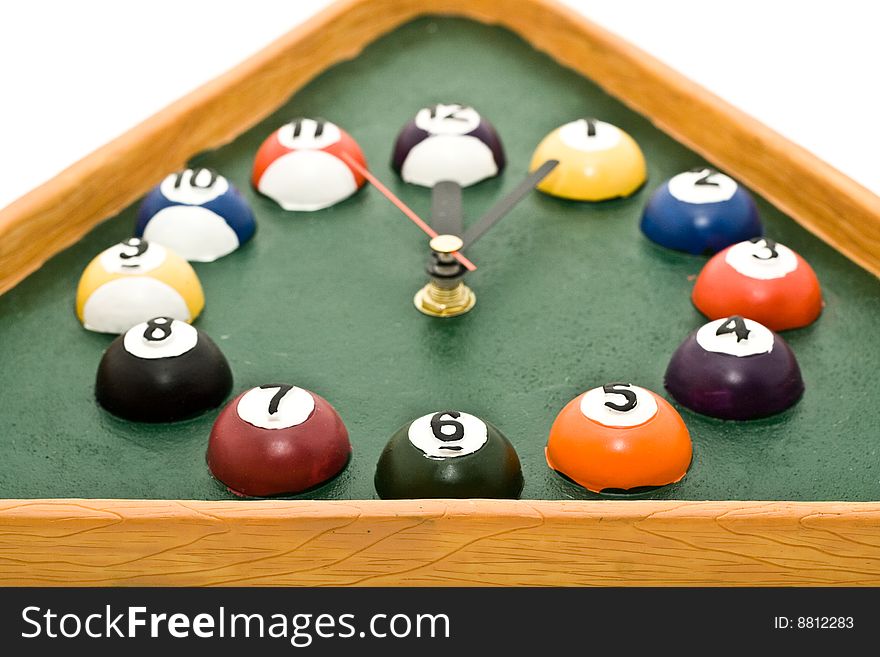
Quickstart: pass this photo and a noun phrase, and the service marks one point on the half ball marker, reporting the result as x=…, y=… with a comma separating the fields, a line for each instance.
x=304, y=165
x=700, y=211
x=763, y=280
x=447, y=142
x=734, y=369
x=134, y=281
x=277, y=439
x=619, y=437
x=448, y=454
x=160, y=371
x=597, y=161
x=198, y=214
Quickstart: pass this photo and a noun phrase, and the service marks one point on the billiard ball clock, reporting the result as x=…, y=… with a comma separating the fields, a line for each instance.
x=572, y=297
x=281, y=439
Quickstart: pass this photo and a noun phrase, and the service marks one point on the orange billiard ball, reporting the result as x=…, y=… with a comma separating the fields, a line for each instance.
x=617, y=438
x=762, y=280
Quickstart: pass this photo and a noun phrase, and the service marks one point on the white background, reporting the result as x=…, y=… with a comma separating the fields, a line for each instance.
x=806, y=68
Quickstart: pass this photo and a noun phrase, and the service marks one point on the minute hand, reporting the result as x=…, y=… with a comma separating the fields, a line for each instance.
x=508, y=203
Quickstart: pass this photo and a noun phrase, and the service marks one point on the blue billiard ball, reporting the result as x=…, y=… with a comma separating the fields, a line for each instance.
x=700, y=211
x=196, y=213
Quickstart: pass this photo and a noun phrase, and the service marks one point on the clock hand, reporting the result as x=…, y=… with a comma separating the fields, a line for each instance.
x=400, y=205
x=446, y=214
x=508, y=203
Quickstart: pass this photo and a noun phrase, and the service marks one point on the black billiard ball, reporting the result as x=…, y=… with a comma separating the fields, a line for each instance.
x=448, y=454
x=161, y=371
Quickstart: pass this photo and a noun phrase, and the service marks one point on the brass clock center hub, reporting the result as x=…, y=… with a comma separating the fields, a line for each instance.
x=438, y=301
x=446, y=244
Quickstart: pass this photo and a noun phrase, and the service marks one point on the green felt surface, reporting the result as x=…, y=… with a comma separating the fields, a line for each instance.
x=570, y=296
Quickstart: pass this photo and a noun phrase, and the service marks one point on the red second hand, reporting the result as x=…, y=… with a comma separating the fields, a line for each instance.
x=354, y=164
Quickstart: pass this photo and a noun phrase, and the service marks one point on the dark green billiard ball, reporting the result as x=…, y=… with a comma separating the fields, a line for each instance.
x=448, y=454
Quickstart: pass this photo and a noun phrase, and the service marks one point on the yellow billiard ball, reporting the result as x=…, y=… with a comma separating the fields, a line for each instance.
x=597, y=161
x=134, y=281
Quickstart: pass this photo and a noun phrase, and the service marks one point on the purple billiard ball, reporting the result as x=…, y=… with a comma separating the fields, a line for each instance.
x=447, y=142
x=734, y=369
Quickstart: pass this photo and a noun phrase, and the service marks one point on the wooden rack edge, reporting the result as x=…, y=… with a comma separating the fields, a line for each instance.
x=438, y=542
x=60, y=212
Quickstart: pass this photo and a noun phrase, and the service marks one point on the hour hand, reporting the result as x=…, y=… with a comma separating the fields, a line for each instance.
x=400, y=205
x=508, y=203
x=446, y=213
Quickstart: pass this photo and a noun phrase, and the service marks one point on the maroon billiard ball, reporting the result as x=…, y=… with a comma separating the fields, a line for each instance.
x=277, y=439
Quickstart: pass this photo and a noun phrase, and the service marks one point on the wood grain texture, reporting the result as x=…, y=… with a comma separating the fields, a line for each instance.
x=57, y=214
x=442, y=542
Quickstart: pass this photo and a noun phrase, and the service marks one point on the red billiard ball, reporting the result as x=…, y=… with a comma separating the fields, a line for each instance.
x=277, y=439
x=762, y=280
x=301, y=166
